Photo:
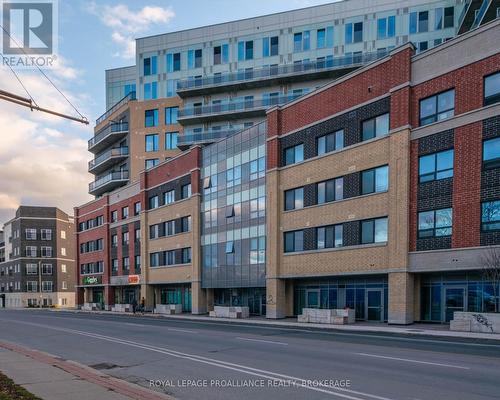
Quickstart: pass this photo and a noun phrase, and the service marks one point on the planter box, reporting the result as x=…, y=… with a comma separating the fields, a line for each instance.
x=91, y=307
x=326, y=316
x=168, y=309
x=230, y=312
x=475, y=322
x=122, y=308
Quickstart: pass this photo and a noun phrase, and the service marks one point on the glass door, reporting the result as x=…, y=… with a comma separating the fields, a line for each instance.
x=454, y=301
x=312, y=298
x=374, y=305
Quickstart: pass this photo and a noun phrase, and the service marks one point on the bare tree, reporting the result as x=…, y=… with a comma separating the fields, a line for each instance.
x=491, y=270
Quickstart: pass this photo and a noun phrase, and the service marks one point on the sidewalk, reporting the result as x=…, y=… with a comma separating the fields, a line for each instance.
x=417, y=329
x=50, y=377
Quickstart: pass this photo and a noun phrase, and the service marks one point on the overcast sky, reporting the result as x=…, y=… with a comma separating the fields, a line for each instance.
x=43, y=159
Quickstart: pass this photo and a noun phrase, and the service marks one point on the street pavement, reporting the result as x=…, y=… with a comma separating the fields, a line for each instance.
x=216, y=360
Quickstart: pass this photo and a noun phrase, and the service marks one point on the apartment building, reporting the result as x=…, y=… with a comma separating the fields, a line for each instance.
x=38, y=266
x=200, y=85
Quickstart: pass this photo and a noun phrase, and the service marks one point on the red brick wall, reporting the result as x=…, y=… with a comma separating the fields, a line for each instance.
x=468, y=84
x=467, y=185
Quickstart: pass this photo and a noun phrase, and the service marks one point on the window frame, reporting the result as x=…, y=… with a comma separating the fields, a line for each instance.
x=436, y=171
x=492, y=99
x=296, y=200
x=437, y=113
x=434, y=228
x=293, y=233
x=490, y=221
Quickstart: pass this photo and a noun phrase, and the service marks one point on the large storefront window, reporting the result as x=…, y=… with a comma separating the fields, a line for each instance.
x=176, y=295
x=253, y=298
x=442, y=295
x=369, y=298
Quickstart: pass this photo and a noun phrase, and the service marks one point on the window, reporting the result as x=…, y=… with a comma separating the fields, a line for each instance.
x=221, y=54
x=186, y=224
x=63, y=234
x=46, y=234
x=294, y=154
x=294, y=241
x=270, y=46
x=137, y=208
x=257, y=168
x=154, y=231
x=419, y=22
x=258, y=250
x=422, y=46
x=301, y=41
x=47, y=286
x=245, y=50
x=46, y=269
x=137, y=235
x=126, y=263
x=257, y=207
x=173, y=62
x=332, y=141
x=114, y=266
x=114, y=216
x=171, y=114
x=435, y=166
x=492, y=89
x=169, y=228
x=124, y=212
x=171, y=87
x=153, y=202
x=32, y=286
x=151, y=91
x=171, y=140
x=150, y=64
x=437, y=108
x=375, y=127
x=320, y=38
x=151, y=163
x=30, y=234
x=125, y=238
x=328, y=237
x=169, y=197
x=31, y=269
x=354, y=32
x=435, y=223
x=294, y=199
x=386, y=27
x=490, y=216
x=151, y=118
x=64, y=286
x=374, y=231
x=491, y=153
x=63, y=251
x=233, y=176
x=47, y=251
x=194, y=58
x=330, y=190
x=186, y=255
x=443, y=18
x=137, y=263
x=152, y=142
x=186, y=191
x=114, y=240
x=229, y=247
x=63, y=268
x=375, y=180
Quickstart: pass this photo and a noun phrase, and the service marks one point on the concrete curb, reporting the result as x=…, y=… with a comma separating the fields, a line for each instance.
x=395, y=330
x=88, y=374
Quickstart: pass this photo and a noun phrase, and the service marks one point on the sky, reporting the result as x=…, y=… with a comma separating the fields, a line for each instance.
x=44, y=159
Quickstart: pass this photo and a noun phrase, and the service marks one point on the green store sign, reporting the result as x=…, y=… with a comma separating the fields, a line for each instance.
x=91, y=280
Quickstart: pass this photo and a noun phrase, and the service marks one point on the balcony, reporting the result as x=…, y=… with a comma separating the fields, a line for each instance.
x=257, y=77
x=107, y=159
x=113, y=132
x=188, y=139
x=232, y=109
x=129, y=97
x=108, y=182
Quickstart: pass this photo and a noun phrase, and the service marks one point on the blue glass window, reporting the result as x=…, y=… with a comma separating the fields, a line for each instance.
x=490, y=216
x=151, y=118
x=435, y=166
x=435, y=223
x=171, y=140
x=491, y=153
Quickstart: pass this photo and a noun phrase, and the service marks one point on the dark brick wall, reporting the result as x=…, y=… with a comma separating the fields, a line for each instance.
x=166, y=187
x=435, y=194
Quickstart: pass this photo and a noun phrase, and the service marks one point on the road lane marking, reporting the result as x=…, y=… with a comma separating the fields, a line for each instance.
x=275, y=377
x=412, y=361
x=263, y=341
x=181, y=330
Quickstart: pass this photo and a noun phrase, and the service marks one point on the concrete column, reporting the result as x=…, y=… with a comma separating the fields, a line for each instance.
x=210, y=299
x=416, y=296
x=147, y=291
x=198, y=299
x=401, y=299
x=80, y=297
x=276, y=303
x=109, y=297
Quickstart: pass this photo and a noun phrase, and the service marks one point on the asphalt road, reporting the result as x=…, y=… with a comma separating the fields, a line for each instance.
x=213, y=360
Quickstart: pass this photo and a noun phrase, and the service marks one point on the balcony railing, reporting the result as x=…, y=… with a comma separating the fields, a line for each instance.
x=235, y=106
x=111, y=129
x=107, y=179
x=124, y=100
x=116, y=152
x=204, y=137
x=480, y=14
x=270, y=72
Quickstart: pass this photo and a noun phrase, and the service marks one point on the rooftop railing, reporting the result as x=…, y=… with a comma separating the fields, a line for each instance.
x=124, y=100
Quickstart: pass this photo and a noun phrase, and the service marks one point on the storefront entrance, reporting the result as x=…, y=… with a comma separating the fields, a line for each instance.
x=176, y=295
x=98, y=296
x=454, y=301
x=2, y=301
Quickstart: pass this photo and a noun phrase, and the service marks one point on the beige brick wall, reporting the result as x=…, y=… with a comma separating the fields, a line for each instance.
x=401, y=298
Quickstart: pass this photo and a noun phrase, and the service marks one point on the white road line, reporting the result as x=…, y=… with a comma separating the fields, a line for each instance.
x=263, y=341
x=331, y=390
x=412, y=361
x=181, y=330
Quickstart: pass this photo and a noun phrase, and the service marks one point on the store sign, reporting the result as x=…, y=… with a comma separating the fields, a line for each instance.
x=91, y=280
x=134, y=279
x=124, y=280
